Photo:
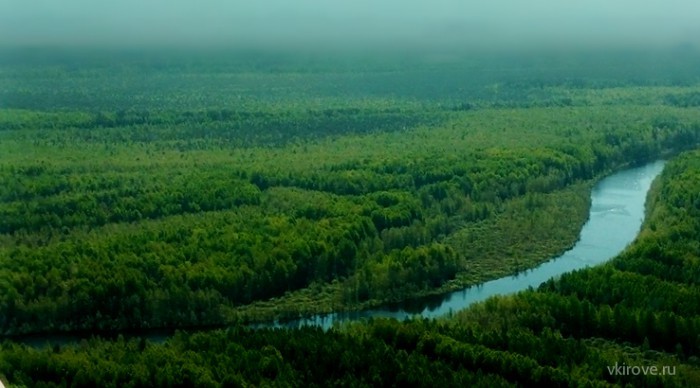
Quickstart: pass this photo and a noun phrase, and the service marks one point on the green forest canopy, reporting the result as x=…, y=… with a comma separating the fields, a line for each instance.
x=127, y=204
x=640, y=309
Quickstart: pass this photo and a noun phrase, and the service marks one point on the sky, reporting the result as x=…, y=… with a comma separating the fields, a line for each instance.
x=346, y=23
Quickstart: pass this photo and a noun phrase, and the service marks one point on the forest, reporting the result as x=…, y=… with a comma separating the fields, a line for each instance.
x=639, y=309
x=150, y=191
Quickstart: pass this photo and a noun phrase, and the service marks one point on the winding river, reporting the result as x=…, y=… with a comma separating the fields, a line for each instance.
x=616, y=215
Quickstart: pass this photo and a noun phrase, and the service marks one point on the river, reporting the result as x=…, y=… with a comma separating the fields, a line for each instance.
x=616, y=215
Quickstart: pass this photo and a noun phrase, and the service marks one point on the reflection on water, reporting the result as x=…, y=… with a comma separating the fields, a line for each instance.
x=617, y=212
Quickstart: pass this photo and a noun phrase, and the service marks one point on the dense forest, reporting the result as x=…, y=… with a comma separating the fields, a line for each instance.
x=638, y=310
x=121, y=210
x=146, y=191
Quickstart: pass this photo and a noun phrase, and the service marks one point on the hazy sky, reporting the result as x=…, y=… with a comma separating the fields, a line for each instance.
x=497, y=23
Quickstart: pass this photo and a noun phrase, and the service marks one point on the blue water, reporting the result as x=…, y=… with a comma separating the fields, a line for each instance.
x=616, y=215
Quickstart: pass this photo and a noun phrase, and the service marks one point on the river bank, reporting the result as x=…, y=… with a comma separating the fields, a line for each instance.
x=615, y=216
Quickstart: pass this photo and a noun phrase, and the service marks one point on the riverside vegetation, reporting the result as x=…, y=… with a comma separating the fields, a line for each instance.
x=639, y=309
x=141, y=194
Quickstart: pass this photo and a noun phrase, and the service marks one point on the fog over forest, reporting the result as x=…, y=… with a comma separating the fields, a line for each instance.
x=359, y=23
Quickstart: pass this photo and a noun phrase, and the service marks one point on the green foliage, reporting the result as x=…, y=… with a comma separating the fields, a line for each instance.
x=143, y=195
x=116, y=216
